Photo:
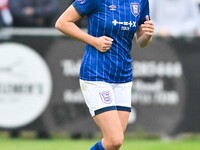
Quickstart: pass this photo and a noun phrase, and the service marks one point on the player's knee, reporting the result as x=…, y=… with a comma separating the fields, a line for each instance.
x=116, y=142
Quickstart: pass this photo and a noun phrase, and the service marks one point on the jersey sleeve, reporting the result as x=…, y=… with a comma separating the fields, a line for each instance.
x=144, y=12
x=85, y=7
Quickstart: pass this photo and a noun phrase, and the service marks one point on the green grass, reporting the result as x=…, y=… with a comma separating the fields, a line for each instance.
x=68, y=144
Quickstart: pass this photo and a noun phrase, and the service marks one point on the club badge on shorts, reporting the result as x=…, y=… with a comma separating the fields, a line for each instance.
x=105, y=97
x=135, y=9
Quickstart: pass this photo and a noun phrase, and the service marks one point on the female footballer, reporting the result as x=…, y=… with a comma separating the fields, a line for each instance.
x=106, y=68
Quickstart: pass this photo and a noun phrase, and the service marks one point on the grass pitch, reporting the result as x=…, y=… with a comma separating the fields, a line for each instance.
x=84, y=144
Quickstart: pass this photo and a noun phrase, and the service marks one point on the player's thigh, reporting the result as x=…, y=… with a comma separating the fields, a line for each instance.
x=110, y=124
x=123, y=116
x=122, y=93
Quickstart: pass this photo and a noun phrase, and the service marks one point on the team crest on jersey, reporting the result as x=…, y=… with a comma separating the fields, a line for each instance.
x=105, y=97
x=135, y=9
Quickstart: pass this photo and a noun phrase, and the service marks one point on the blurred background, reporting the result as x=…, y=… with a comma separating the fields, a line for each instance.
x=39, y=69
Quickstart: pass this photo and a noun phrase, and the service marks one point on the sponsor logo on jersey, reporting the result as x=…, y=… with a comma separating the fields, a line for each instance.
x=112, y=7
x=125, y=23
x=105, y=97
x=135, y=9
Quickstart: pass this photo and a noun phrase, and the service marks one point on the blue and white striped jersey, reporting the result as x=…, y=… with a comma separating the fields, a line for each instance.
x=119, y=20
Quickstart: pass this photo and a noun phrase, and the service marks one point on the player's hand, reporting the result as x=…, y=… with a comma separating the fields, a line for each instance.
x=148, y=27
x=103, y=43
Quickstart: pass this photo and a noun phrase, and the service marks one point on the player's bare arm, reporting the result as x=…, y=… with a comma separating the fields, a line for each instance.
x=144, y=33
x=66, y=24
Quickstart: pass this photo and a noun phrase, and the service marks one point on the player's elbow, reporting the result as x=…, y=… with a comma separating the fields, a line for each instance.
x=58, y=24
